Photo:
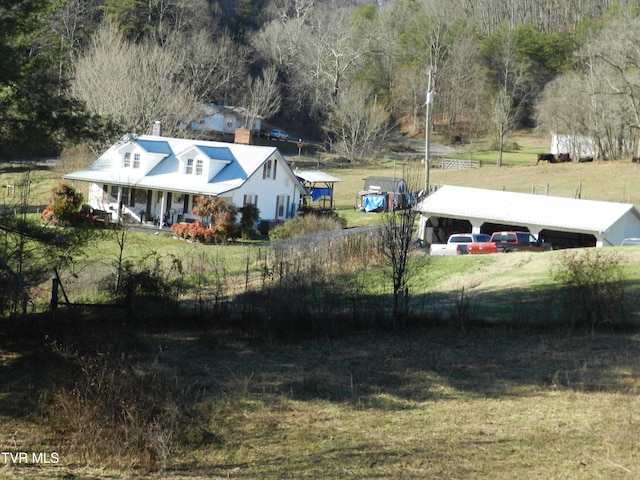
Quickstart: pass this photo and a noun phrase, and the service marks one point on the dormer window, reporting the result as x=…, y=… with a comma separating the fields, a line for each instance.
x=136, y=160
x=189, y=167
x=127, y=160
x=199, y=166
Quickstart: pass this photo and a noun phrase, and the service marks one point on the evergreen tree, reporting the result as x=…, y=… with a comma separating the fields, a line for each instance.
x=36, y=115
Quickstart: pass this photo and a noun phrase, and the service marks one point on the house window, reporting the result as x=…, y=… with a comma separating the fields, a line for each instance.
x=189, y=168
x=113, y=198
x=125, y=196
x=229, y=121
x=282, y=206
x=136, y=160
x=199, y=166
x=127, y=160
x=250, y=199
x=266, y=170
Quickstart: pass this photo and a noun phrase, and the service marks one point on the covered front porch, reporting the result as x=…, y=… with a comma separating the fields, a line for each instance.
x=133, y=205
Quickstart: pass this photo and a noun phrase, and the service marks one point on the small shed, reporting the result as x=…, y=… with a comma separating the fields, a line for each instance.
x=319, y=189
x=381, y=194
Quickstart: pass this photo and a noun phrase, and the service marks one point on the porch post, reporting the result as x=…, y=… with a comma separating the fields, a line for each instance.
x=162, y=210
x=119, y=203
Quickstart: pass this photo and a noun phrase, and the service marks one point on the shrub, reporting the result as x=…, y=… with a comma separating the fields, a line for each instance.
x=147, y=279
x=594, y=283
x=223, y=223
x=118, y=413
x=304, y=225
x=250, y=216
x=64, y=206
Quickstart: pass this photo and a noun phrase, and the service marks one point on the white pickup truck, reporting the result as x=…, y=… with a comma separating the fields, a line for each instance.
x=457, y=244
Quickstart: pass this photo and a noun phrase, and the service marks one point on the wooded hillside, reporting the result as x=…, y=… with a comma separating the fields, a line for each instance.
x=347, y=73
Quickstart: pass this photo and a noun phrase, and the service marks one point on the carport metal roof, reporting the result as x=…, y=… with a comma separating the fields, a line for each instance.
x=315, y=176
x=511, y=208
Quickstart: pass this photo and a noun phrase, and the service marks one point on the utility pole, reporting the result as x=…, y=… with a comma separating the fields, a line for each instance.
x=427, y=136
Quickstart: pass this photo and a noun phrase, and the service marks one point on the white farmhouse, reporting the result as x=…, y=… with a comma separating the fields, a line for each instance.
x=151, y=178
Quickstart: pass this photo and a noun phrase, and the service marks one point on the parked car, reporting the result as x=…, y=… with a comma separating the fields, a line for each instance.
x=457, y=244
x=278, y=135
x=509, y=242
x=630, y=242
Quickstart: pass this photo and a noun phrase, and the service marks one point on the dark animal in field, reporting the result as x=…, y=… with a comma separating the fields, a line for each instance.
x=545, y=157
x=585, y=159
x=553, y=158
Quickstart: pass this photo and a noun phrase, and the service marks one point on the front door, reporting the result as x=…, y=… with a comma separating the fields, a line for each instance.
x=148, y=210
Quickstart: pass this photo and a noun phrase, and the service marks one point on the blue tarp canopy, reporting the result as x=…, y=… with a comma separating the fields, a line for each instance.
x=317, y=193
x=371, y=203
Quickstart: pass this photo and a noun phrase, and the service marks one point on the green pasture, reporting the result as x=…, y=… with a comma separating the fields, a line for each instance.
x=449, y=398
x=432, y=403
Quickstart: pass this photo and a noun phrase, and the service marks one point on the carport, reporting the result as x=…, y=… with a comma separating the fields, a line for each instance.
x=319, y=186
x=564, y=222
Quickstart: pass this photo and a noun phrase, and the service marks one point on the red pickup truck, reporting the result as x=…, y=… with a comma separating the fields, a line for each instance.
x=508, y=242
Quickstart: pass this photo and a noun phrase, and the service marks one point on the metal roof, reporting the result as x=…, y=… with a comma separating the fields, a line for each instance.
x=242, y=162
x=315, y=176
x=513, y=208
x=387, y=184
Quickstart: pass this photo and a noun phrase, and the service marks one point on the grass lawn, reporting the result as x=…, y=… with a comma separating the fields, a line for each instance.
x=442, y=402
x=424, y=404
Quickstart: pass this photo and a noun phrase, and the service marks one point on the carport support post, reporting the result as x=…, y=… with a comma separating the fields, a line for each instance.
x=422, y=230
x=475, y=226
x=535, y=231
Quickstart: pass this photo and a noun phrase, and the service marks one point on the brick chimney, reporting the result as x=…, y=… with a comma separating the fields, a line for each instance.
x=243, y=135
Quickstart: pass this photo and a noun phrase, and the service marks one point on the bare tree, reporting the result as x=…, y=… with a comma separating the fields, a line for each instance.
x=617, y=50
x=70, y=27
x=212, y=68
x=180, y=16
x=504, y=120
x=459, y=84
x=279, y=41
x=263, y=98
x=314, y=51
x=599, y=102
x=506, y=72
x=132, y=84
x=357, y=124
x=404, y=262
